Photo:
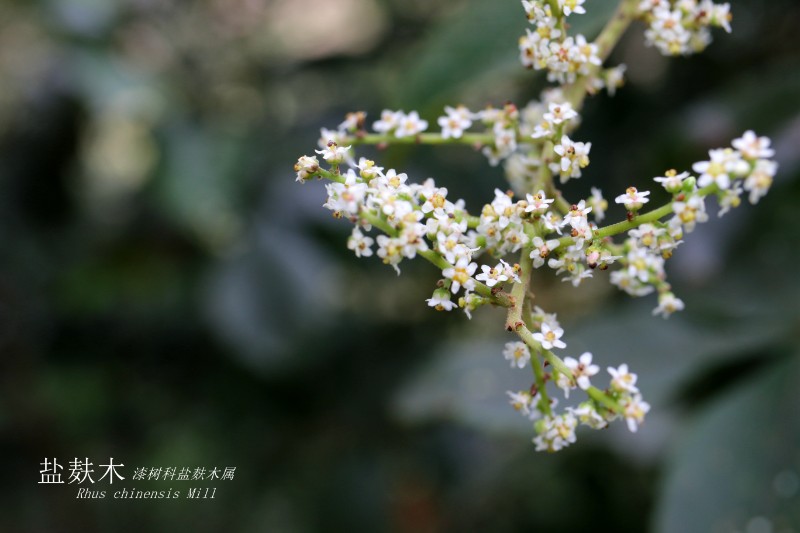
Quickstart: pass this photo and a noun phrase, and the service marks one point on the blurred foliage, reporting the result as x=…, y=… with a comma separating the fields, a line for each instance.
x=169, y=295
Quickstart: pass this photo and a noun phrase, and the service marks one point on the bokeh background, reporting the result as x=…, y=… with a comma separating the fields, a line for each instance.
x=169, y=296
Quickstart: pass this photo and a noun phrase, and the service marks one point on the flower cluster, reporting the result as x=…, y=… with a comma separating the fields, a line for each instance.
x=415, y=219
x=420, y=217
x=548, y=47
x=681, y=27
x=535, y=144
x=728, y=173
x=400, y=123
x=555, y=431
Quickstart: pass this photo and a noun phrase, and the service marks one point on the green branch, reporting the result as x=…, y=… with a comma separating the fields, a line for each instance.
x=602, y=398
x=638, y=220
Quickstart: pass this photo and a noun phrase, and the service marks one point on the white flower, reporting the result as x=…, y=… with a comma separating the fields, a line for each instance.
x=505, y=140
x=615, y=78
x=333, y=153
x=551, y=319
x=635, y=409
x=552, y=222
x=577, y=215
x=565, y=383
x=450, y=246
x=633, y=199
x=348, y=197
x=360, y=243
x=391, y=251
x=760, y=179
x=353, y=121
x=305, y=166
x=412, y=237
x=571, y=6
x=667, y=32
x=730, y=199
x=602, y=258
x=571, y=263
x=518, y=353
x=584, y=53
x=574, y=157
x=598, y=204
x=644, y=263
x=581, y=234
x=559, y=113
x=672, y=181
x=720, y=15
x=582, y=369
x=690, y=211
x=549, y=337
x=647, y=235
x=588, y=415
x=395, y=180
x=538, y=203
x=577, y=276
x=438, y=203
x=630, y=283
x=622, y=380
x=556, y=432
x=410, y=124
x=455, y=122
x=715, y=170
x=492, y=276
x=388, y=122
x=531, y=8
x=326, y=136
x=460, y=274
x=752, y=146
x=521, y=401
x=541, y=250
x=668, y=304
x=441, y=300
x=368, y=170
x=649, y=5
x=511, y=272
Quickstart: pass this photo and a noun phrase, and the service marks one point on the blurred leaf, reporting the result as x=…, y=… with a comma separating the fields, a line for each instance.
x=666, y=353
x=738, y=462
x=84, y=17
x=479, y=43
x=466, y=381
x=200, y=182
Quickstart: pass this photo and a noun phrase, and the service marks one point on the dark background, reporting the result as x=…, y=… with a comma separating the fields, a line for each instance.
x=169, y=296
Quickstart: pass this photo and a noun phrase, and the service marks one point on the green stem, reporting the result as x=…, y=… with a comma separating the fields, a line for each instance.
x=538, y=370
x=555, y=361
x=544, y=179
x=328, y=175
x=638, y=220
x=520, y=290
x=602, y=398
x=538, y=375
x=378, y=222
